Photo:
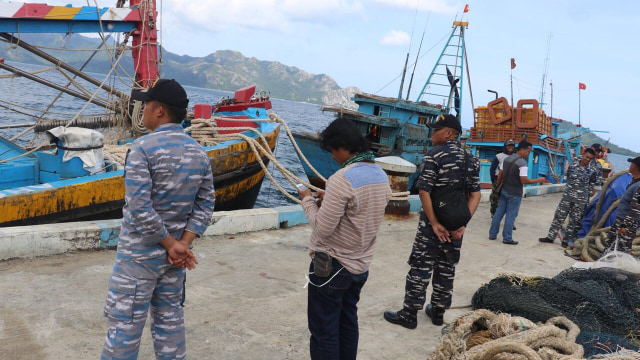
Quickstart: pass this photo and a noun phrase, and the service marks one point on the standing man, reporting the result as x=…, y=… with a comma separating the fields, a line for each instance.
x=169, y=199
x=596, y=165
x=343, y=240
x=512, y=176
x=581, y=180
x=435, y=248
x=624, y=228
x=496, y=165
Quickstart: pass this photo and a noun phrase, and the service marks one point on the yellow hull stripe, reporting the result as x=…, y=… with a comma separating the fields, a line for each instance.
x=101, y=191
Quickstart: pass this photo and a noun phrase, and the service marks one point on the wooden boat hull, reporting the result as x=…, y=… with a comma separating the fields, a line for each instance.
x=237, y=178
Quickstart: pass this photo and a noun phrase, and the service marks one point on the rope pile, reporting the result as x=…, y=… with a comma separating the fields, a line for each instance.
x=484, y=335
x=204, y=131
x=116, y=154
x=592, y=246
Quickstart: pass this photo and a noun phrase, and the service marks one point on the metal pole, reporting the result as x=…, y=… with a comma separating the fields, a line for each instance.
x=58, y=62
x=55, y=86
x=579, y=105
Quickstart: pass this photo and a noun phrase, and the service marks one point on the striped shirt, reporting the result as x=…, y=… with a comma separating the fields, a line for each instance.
x=347, y=223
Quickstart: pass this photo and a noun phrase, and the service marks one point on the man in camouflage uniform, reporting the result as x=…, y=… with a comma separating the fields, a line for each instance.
x=621, y=234
x=435, y=248
x=581, y=182
x=169, y=198
x=595, y=164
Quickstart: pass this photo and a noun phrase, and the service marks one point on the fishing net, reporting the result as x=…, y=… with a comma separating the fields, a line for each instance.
x=601, y=301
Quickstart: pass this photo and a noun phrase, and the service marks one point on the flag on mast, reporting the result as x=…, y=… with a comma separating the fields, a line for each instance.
x=582, y=86
x=466, y=8
x=513, y=63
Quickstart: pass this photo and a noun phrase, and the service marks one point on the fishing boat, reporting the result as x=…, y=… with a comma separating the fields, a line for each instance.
x=397, y=126
x=39, y=183
x=499, y=121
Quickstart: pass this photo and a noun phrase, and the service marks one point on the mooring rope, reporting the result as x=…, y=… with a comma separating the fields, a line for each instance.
x=592, y=246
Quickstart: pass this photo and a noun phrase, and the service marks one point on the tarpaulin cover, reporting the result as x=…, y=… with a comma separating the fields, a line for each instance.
x=614, y=191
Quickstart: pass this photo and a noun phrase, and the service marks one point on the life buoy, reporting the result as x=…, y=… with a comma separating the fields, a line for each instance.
x=521, y=118
x=505, y=108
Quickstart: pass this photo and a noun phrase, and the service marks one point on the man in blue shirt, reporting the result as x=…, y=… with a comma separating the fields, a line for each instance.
x=169, y=198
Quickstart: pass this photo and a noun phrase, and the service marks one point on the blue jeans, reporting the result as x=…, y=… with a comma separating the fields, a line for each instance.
x=332, y=313
x=510, y=205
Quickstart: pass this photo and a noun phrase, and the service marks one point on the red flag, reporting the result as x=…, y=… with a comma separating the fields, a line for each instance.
x=513, y=63
x=582, y=86
x=466, y=8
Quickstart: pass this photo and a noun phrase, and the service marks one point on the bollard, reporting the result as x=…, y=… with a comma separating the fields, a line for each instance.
x=398, y=170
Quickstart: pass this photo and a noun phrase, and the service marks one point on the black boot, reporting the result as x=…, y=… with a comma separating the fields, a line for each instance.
x=402, y=318
x=545, y=240
x=436, y=314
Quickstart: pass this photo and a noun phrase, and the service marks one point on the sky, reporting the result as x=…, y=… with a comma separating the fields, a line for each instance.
x=364, y=43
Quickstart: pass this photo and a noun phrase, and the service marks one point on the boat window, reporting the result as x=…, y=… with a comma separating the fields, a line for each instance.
x=385, y=111
x=423, y=120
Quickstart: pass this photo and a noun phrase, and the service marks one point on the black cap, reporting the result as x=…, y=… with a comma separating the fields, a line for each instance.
x=443, y=121
x=509, y=142
x=166, y=91
x=635, y=160
x=596, y=147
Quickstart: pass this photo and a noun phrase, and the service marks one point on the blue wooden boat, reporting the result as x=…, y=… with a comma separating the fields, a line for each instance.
x=397, y=126
x=38, y=185
x=499, y=121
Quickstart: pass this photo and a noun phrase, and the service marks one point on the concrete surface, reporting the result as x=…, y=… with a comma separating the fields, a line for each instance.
x=245, y=300
x=53, y=239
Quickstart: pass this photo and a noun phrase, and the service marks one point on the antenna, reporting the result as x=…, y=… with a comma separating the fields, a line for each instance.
x=415, y=64
x=546, y=69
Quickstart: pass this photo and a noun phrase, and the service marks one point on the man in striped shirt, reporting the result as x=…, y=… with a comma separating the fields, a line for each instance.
x=343, y=240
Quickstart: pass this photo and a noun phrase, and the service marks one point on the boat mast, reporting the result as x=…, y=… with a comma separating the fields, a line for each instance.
x=404, y=72
x=145, y=43
x=441, y=84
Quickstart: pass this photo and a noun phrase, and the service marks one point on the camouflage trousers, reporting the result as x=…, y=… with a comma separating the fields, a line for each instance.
x=493, y=198
x=133, y=288
x=575, y=210
x=623, y=242
x=431, y=257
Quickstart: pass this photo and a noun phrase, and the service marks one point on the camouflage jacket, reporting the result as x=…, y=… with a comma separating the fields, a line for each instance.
x=581, y=181
x=442, y=166
x=168, y=189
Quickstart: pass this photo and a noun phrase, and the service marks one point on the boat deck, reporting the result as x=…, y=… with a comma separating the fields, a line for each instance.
x=245, y=300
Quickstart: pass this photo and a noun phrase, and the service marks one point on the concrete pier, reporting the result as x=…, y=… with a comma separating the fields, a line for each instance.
x=245, y=300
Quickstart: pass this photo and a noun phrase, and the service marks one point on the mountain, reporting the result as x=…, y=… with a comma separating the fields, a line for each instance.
x=223, y=70
x=589, y=138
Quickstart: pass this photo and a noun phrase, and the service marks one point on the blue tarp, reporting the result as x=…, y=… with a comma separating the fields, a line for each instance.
x=614, y=191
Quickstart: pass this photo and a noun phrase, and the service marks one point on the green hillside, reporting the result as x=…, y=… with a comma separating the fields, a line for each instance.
x=222, y=70
x=589, y=138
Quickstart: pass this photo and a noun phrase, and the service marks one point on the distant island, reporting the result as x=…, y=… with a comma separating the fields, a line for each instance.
x=224, y=70
x=589, y=138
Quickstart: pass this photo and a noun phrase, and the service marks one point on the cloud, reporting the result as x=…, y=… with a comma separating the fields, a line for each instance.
x=437, y=6
x=395, y=38
x=283, y=15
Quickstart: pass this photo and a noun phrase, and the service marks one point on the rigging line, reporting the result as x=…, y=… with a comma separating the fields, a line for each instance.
x=69, y=83
x=19, y=106
x=423, y=55
x=466, y=61
x=424, y=31
x=31, y=72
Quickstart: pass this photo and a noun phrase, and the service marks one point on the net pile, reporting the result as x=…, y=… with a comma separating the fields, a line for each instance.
x=600, y=301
